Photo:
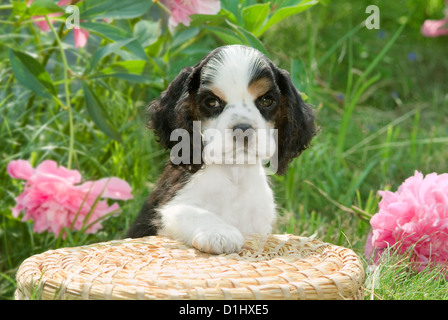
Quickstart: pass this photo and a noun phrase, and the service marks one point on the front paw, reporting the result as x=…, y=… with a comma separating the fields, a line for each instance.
x=218, y=239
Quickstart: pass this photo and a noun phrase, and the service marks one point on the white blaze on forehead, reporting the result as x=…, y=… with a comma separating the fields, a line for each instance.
x=232, y=69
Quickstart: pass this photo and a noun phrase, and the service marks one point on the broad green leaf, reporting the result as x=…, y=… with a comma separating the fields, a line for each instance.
x=30, y=73
x=113, y=9
x=42, y=7
x=155, y=49
x=18, y=7
x=113, y=33
x=107, y=31
x=183, y=36
x=133, y=66
x=286, y=11
x=255, y=16
x=146, y=32
x=230, y=16
x=105, y=51
x=98, y=114
x=234, y=8
x=253, y=41
x=134, y=71
x=198, y=20
x=285, y=3
x=226, y=35
x=250, y=39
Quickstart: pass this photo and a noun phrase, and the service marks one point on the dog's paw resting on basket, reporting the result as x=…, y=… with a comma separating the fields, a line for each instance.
x=229, y=122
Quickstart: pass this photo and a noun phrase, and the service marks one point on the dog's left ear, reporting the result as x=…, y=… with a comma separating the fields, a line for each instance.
x=294, y=121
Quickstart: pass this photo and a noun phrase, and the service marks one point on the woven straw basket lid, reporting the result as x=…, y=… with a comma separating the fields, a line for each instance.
x=268, y=267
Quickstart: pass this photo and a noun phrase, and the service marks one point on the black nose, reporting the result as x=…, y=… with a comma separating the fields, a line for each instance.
x=243, y=127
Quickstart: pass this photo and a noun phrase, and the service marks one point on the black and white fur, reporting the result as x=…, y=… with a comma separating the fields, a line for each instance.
x=210, y=206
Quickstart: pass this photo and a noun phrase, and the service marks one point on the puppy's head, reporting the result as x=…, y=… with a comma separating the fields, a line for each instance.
x=239, y=104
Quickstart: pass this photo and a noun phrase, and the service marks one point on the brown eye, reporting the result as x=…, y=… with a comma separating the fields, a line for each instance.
x=265, y=101
x=212, y=103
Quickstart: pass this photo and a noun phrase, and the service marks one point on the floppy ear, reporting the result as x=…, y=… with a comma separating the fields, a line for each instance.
x=294, y=121
x=175, y=109
x=162, y=112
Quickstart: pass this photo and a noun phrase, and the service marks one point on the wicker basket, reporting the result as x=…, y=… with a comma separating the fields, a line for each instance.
x=268, y=267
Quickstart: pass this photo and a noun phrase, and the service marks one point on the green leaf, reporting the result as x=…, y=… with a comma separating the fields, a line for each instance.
x=298, y=75
x=105, y=51
x=134, y=71
x=226, y=35
x=198, y=20
x=132, y=66
x=18, y=7
x=42, y=7
x=285, y=3
x=146, y=32
x=183, y=36
x=250, y=39
x=107, y=31
x=113, y=9
x=137, y=78
x=253, y=41
x=98, y=114
x=286, y=10
x=113, y=33
x=234, y=9
x=31, y=74
x=255, y=16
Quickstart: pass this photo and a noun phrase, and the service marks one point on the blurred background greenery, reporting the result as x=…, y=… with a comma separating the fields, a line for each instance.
x=381, y=98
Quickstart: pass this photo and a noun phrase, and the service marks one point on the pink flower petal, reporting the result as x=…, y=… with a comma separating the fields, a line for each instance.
x=80, y=36
x=64, y=3
x=20, y=169
x=435, y=28
x=414, y=220
x=53, y=199
x=181, y=10
x=208, y=7
x=43, y=25
x=113, y=188
x=51, y=170
x=369, y=246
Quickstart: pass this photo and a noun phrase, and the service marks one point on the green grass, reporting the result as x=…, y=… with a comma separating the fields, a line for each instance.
x=395, y=279
x=382, y=115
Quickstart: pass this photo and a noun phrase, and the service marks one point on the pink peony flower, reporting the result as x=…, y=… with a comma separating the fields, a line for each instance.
x=413, y=219
x=54, y=197
x=181, y=10
x=435, y=28
x=79, y=35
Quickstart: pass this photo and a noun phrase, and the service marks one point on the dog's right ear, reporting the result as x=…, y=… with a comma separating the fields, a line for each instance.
x=173, y=109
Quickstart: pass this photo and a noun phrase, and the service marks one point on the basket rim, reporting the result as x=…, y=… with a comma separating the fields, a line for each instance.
x=271, y=266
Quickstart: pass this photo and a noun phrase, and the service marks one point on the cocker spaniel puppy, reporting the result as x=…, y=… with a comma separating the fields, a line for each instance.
x=229, y=122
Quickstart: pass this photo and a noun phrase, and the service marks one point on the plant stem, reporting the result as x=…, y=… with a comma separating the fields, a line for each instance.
x=67, y=94
x=6, y=7
x=162, y=6
x=45, y=59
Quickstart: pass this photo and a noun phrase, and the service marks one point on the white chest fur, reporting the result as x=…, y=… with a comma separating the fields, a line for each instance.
x=240, y=195
x=227, y=201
